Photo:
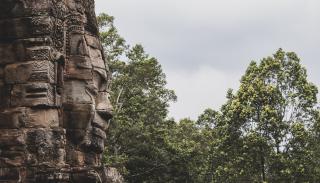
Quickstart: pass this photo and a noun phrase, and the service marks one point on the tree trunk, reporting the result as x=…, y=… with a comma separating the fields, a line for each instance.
x=262, y=161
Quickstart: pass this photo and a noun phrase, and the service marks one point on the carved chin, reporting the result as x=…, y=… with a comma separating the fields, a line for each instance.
x=95, y=143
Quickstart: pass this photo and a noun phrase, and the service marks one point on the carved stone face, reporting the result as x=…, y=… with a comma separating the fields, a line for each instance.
x=54, y=106
x=86, y=105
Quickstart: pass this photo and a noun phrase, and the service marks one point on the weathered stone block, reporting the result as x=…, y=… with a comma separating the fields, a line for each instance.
x=89, y=175
x=12, y=148
x=4, y=94
x=42, y=118
x=38, y=53
x=79, y=67
x=95, y=52
x=8, y=52
x=76, y=158
x=93, y=42
x=78, y=116
x=26, y=27
x=13, y=118
x=46, y=147
x=35, y=94
x=86, y=177
x=11, y=138
x=37, y=71
x=1, y=73
x=14, y=8
x=29, y=50
x=78, y=45
x=77, y=92
x=10, y=175
x=13, y=158
x=52, y=175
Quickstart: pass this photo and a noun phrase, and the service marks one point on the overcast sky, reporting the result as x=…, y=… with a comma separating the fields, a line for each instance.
x=205, y=46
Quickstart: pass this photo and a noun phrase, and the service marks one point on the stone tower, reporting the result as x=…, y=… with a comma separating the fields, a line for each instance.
x=54, y=106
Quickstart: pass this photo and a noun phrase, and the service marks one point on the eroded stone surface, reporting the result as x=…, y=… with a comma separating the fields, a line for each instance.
x=54, y=106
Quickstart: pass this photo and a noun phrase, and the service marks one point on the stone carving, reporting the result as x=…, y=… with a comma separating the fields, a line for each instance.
x=54, y=106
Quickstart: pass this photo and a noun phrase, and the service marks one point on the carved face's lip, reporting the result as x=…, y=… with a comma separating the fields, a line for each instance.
x=100, y=124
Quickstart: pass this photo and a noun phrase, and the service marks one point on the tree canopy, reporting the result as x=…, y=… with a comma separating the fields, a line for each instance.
x=267, y=131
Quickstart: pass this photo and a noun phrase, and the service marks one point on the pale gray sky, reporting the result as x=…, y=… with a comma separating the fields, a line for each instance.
x=205, y=46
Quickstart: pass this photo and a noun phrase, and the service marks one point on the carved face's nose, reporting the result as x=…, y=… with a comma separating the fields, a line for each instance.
x=103, y=104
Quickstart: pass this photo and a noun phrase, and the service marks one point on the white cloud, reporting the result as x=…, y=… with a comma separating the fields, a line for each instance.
x=200, y=89
x=208, y=43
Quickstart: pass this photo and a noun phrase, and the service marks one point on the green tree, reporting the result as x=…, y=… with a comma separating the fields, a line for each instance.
x=136, y=137
x=265, y=126
x=267, y=131
x=114, y=45
x=141, y=101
